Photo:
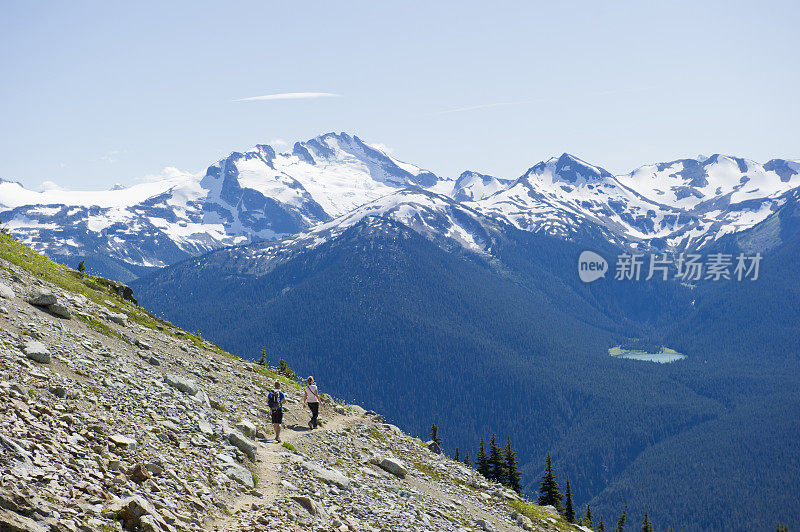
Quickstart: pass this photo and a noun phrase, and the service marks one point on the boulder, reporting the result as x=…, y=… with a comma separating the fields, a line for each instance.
x=132, y=509
x=236, y=472
x=329, y=476
x=248, y=447
x=37, y=351
x=391, y=465
x=139, y=473
x=123, y=442
x=205, y=427
x=433, y=447
x=187, y=386
x=247, y=428
x=6, y=292
x=313, y=507
x=59, y=310
x=119, y=319
x=13, y=522
x=42, y=298
x=122, y=290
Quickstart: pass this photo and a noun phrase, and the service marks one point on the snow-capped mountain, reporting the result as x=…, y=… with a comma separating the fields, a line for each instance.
x=258, y=194
x=323, y=184
x=440, y=219
x=676, y=205
x=559, y=195
x=472, y=186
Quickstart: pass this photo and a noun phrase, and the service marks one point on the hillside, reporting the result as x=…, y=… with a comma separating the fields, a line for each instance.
x=112, y=418
x=523, y=345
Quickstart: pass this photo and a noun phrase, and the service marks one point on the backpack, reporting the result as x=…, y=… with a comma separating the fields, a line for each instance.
x=274, y=400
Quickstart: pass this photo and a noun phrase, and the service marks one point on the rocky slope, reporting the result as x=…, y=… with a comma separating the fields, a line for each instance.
x=111, y=418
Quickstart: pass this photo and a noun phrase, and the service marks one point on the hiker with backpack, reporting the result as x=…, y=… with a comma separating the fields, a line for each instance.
x=275, y=401
x=311, y=399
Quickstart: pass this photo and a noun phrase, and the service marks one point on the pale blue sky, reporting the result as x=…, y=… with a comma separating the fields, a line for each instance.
x=101, y=92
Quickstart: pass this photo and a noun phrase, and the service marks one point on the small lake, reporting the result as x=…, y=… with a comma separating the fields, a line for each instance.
x=665, y=356
x=660, y=358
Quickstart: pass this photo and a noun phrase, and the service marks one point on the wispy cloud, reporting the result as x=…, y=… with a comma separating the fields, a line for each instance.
x=290, y=96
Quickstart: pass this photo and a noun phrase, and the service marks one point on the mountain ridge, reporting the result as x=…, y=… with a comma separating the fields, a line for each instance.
x=265, y=194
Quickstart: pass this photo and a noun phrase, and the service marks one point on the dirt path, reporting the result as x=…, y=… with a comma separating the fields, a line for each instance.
x=268, y=470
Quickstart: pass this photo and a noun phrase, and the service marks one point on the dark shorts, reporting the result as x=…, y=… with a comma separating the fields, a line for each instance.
x=277, y=416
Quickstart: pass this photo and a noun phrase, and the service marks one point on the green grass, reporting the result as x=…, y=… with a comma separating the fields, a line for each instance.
x=288, y=445
x=101, y=327
x=255, y=480
x=537, y=514
x=424, y=468
x=273, y=375
x=375, y=434
x=91, y=287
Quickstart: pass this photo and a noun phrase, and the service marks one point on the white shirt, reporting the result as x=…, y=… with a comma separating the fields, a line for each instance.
x=312, y=394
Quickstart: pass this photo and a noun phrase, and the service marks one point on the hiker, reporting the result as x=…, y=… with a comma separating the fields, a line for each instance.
x=275, y=401
x=311, y=399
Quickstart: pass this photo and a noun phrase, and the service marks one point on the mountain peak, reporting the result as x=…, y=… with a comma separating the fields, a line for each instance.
x=570, y=169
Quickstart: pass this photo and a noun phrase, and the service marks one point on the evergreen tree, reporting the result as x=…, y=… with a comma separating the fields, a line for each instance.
x=621, y=520
x=482, y=461
x=513, y=476
x=263, y=360
x=569, y=510
x=435, y=435
x=496, y=462
x=549, y=491
x=586, y=520
x=285, y=370
x=457, y=456
x=467, y=461
x=647, y=526
x=782, y=528
x=81, y=267
x=602, y=526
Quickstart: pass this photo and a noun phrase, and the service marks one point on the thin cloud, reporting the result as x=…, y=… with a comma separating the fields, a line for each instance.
x=290, y=96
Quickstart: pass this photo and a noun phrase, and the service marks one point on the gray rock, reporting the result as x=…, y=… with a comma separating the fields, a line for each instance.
x=37, y=351
x=14, y=522
x=248, y=447
x=393, y=466
x=155, y=469
x=6, y=292
x=205, y=427
x=42, y=298
x=247, y=428
x=484, y=525
x=187, y=386
x=120, y=319
x=329, y=476
x=123, y=441
x=433, y=447
x=59, y=310
x=236, y=472
x=313, y=507
x=136, y=511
